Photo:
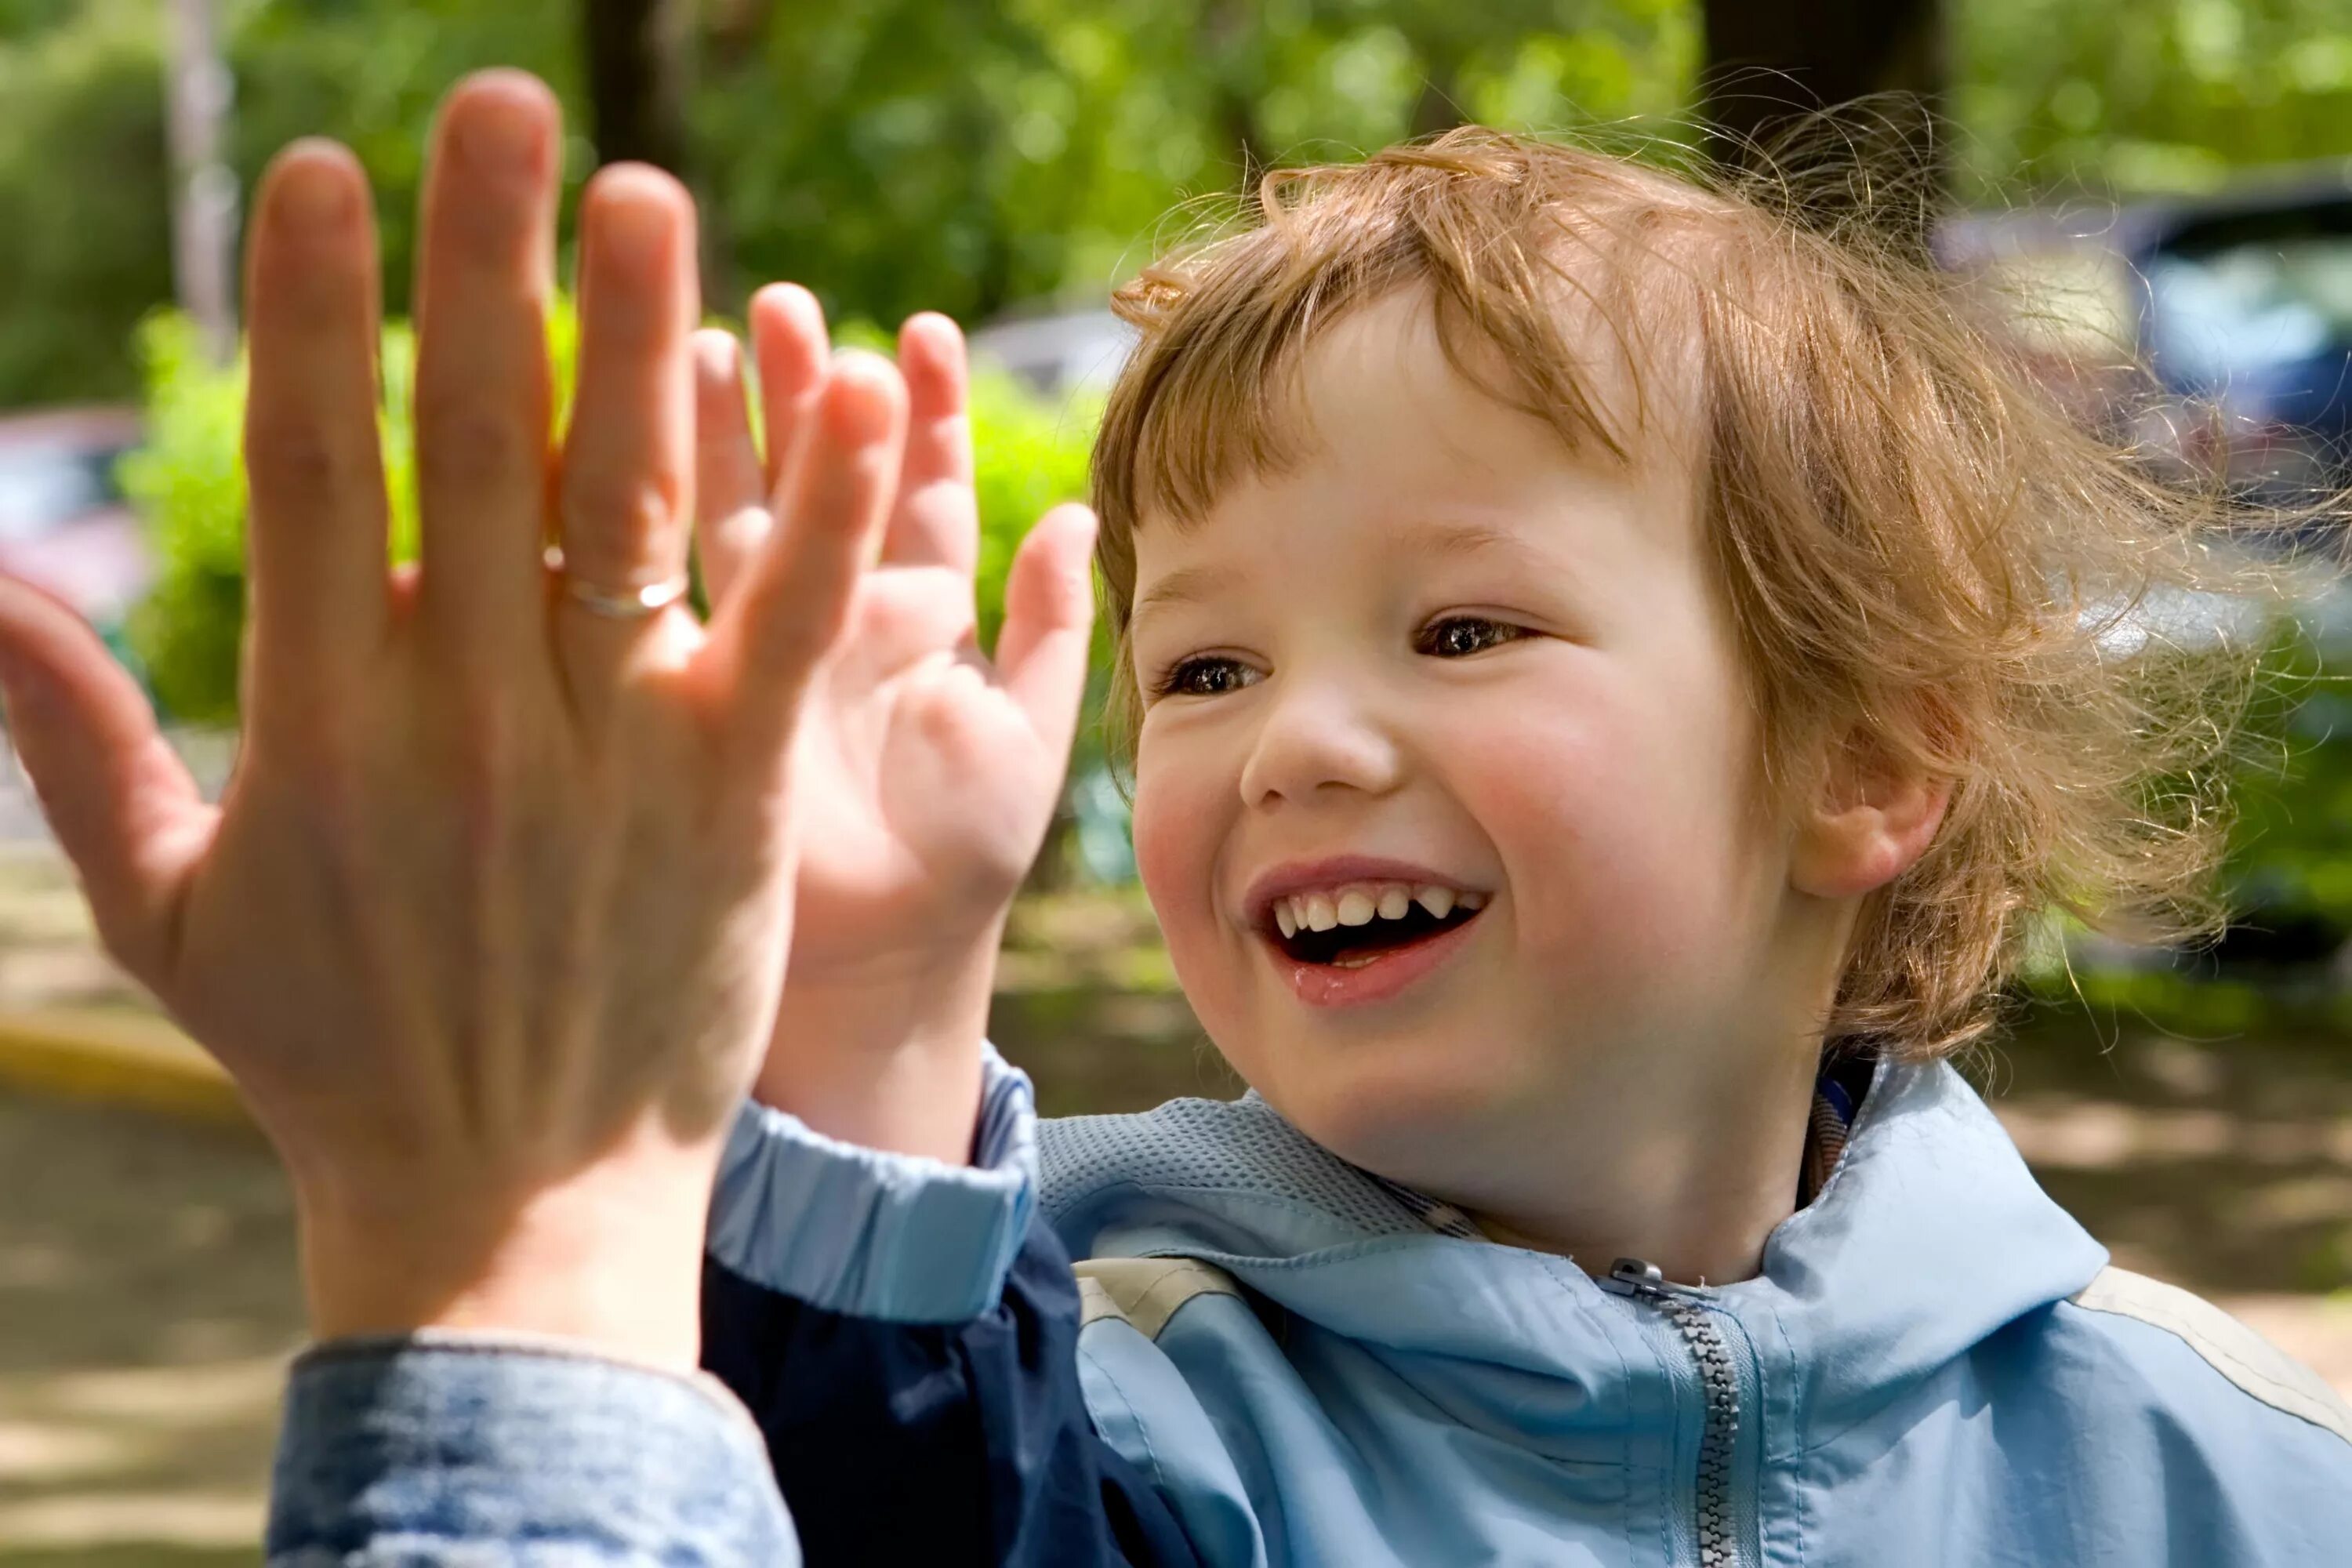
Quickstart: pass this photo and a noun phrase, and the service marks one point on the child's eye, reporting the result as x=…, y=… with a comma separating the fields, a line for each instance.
x=1459, y=636
x=1209, y=674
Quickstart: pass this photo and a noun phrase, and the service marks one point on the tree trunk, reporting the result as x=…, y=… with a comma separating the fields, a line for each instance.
x=1230, y=27
x=1438, y=105
x=1771, y=63
x=638, y=58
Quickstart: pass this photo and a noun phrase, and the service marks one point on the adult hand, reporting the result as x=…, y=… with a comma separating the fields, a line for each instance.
x=925, y=774
x=490, y=923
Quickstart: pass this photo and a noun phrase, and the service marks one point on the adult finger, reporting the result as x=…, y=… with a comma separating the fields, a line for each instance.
x=1049, y=610
x=792, y=352
x=937, y=522
x=120, y=801
x=315, y=469
x=730, y=492
x=791, y=603
x=485, y=276
x=628, y=458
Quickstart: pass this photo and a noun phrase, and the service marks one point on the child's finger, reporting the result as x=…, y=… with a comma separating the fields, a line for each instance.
x=121, y=803
x=312, y=458
x=938, y=519
x=792, y=352
x=1049, y=611
x=730, y=493
x=793, y=599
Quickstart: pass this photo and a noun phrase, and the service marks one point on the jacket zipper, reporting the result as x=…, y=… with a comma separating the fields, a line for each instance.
x=1718, y=1544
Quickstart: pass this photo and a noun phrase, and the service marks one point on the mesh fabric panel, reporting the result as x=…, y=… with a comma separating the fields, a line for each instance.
x=1228, y=1145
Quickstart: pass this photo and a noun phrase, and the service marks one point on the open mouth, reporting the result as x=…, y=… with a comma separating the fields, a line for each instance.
x=1357, y=926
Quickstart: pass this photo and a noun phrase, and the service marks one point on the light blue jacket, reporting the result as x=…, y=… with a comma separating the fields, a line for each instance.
x=1935, y=1365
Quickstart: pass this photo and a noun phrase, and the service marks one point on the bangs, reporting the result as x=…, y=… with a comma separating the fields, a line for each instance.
x=1215, y=391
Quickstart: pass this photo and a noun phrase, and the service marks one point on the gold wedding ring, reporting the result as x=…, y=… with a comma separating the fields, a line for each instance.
x=634, y=603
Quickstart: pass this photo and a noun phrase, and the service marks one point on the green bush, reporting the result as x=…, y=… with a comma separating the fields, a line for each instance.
x=188, y=483
x=2287, y=879
x=84, y=197
x=2290, y=850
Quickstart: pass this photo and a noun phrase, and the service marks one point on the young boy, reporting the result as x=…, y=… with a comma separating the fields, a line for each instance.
x=1615, y=674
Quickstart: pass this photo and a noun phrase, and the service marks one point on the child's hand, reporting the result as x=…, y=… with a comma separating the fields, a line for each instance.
x=489, y=925
x=924, y=774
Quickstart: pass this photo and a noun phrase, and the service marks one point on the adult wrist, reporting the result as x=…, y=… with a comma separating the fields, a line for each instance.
x=607, y=1259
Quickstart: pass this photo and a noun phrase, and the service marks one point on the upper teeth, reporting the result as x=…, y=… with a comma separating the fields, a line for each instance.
x=1356, y=904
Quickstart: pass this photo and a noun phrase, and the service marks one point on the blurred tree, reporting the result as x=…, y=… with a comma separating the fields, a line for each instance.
x=1770, y=64
x=638, y=53
x=84, y=196
x=2171, y=96
x=894, y=154
x=902, y=154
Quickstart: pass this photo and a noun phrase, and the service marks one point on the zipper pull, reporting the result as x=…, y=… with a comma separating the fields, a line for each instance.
x=1631, y=1276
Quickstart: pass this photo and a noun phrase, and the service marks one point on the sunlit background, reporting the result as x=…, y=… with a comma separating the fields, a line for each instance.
x=2159, y=192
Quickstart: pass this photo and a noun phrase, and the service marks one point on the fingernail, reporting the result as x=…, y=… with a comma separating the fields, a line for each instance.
x=311, y=193
x=504, y=137
x=715, y=352
x=857, y=409
x=634, y=232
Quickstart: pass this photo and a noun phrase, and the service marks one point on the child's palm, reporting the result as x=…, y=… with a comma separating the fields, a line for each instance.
x=924, y=774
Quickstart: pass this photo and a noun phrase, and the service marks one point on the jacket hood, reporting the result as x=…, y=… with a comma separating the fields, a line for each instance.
x=1930, y=1236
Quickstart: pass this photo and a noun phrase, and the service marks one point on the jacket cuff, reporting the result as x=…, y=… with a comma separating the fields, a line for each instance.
x=865, y=1234
x=457, y=1446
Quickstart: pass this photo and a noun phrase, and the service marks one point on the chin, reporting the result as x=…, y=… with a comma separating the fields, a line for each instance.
x=1414, y=1117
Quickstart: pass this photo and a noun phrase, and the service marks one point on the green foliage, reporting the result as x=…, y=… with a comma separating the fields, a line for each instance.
x=189, y=488
x=188, y=483
x=892, y=154
x=1031, y=456
x=897, y=154
x=2168, y=95
x=903, y=154
x=2290, y=856
x=82, y=197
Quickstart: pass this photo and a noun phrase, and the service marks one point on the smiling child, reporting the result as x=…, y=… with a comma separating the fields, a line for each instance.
x=1614, y=677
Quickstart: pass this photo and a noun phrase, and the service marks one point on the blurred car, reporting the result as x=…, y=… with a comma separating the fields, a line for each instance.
x=64, y=525
x=2214, y=333
x=2246, y=310
x=1057, y=353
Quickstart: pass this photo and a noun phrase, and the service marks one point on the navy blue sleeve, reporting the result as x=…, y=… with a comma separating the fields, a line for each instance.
x=937, y=1444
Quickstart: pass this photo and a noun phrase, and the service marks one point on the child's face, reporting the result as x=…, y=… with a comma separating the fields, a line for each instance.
x=1443, y=650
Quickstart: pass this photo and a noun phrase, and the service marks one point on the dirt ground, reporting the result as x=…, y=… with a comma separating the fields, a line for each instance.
x=147, y=1297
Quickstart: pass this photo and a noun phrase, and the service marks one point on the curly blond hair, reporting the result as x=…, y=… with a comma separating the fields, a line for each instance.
x=1911, y=536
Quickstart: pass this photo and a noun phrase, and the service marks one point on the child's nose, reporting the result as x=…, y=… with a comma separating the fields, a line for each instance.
x=1319, y=736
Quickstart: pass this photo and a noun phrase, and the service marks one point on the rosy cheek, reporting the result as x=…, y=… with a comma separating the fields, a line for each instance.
x=1175, y=825
x=1185, y=808
x=1604, y=838
x=1161, y=849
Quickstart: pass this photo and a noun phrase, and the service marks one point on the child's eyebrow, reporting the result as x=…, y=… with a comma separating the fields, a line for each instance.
x=1435, y=538
x=1425, y=537
x=1188, y=586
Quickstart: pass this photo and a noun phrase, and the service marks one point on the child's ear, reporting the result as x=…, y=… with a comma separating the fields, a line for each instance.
x=1872, y=818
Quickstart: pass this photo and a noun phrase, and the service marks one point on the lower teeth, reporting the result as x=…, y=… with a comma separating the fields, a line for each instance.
x=1355, y=963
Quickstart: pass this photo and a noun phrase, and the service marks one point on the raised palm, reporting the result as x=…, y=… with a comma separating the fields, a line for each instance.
x=925, y=773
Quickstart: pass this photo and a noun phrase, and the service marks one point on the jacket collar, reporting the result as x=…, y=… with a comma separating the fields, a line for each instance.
x=1930, y=1236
